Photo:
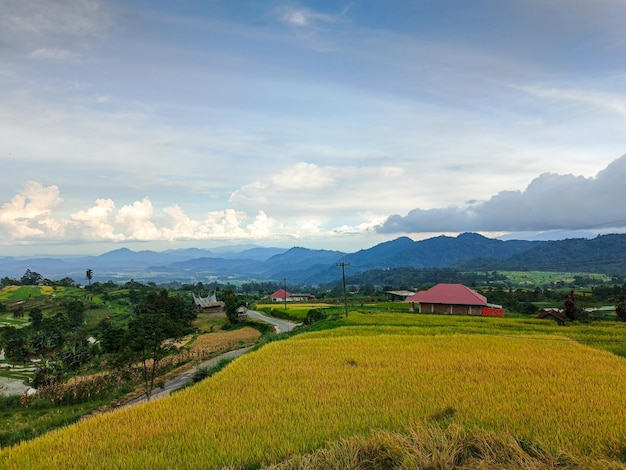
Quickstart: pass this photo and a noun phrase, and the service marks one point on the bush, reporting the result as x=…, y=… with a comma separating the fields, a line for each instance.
x=314, y=315
x=205, y=372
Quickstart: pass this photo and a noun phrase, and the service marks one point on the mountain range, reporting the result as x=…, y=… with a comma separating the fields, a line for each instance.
x=468, y=251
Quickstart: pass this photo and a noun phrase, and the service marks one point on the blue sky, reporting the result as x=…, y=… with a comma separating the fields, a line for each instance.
x=158, y=124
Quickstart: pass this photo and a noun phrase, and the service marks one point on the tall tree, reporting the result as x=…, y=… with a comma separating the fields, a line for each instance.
x=36, y=317
x=620, y=308
x=159, y=317
x=31, y=278
x=569, y=305
x=75, y=310
x=89, y=276
x=231, y=303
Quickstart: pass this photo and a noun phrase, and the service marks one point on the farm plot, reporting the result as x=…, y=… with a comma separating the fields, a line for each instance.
x=298, y=395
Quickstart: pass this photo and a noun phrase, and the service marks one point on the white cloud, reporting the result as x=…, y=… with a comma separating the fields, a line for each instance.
x=75, y=17
x=183, y=227
x=51, y=53
x=312, y=188
x=304, y=176
x=27, y=214
x=94, y=223
x=224, y=224
x=250, y=193
x=136, y=220
x=614, y=102
x=301, y=17
x=263, y=227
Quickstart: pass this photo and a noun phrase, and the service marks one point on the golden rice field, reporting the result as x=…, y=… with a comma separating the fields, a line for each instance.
x=46, y=290
x=298, y=395
x=211, y=343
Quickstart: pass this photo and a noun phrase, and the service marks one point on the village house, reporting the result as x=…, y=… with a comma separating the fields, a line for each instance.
x=282, y=295
x=399, y=295
x=455, y=299
x=553, y=314
x=208, y=304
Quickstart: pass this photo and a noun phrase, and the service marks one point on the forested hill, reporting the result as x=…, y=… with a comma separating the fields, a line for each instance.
x=468, y=251
x=604, y=254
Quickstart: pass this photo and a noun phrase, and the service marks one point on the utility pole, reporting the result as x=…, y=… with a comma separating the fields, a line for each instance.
x=285, y=292
x=343, y=276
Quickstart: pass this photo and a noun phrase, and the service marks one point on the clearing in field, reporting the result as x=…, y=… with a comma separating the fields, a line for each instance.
x=295, y=396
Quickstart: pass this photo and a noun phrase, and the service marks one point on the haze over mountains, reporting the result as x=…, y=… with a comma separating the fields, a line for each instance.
x=468, y=251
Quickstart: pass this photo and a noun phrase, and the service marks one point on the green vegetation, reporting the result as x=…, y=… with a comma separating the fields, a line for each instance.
x=45, y=333
x=206, y=372
x=51, y=324
x=374, y=380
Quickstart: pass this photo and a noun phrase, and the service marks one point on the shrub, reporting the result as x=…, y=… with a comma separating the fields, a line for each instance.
x=205, y=372
x=314, y=315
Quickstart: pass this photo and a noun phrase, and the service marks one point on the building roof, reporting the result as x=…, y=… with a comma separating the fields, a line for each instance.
x=552, y=313
x=280, y=294
x=401, y=293
x=451, y=294
x=207, y=302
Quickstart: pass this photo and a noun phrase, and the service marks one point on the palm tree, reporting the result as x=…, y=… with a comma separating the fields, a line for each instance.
x=89, y=275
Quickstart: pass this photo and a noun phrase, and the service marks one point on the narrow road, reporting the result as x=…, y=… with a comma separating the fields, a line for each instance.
x=185, y=377
x=281, y=325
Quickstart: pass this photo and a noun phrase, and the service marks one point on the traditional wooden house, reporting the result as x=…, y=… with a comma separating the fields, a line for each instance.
x=242, y=312
x=207, y=304
x=399, y=295
x=454, y=299
x=553, y=314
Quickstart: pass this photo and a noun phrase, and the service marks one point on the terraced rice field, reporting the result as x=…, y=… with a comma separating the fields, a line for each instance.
x=298, y=395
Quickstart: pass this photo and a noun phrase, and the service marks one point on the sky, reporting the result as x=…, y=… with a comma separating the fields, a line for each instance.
x=153, y=124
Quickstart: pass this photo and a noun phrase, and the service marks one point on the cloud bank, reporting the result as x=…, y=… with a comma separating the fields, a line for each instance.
x=550, y=202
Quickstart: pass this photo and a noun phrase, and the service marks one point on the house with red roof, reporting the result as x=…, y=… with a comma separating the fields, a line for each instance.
x=282, y=295
x=455, y=299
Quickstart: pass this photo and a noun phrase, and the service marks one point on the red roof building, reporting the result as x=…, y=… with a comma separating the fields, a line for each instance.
x=454, y=299
x=280, y=295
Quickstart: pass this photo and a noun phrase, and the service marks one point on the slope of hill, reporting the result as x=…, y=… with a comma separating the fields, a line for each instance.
x=603, y=254
x=468, y=251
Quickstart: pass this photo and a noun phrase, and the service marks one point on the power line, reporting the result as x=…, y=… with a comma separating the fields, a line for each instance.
x=343, y=265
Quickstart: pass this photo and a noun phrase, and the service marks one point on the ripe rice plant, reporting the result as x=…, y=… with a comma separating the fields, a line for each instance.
x=207, y=345
x=46, y=290
x=299, y=395
x=609, y=336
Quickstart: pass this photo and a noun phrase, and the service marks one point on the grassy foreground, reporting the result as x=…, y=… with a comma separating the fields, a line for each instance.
x=290, y=398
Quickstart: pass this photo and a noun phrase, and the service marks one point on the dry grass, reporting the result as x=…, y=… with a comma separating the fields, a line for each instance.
x=434, y=447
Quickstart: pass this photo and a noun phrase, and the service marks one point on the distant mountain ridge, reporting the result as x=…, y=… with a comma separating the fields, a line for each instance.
x=468, y=251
